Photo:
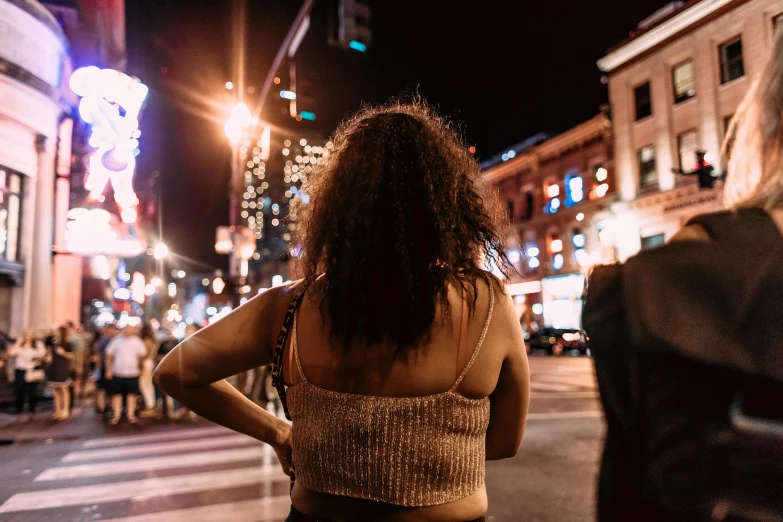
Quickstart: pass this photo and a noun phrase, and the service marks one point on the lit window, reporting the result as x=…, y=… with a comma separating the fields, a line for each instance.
x=556, y=245
x=684, y=84
x=574, y=189
x=579, y=239
x=533, y=252
x=582, y=257
x=731, y=63
x=687, y=145
x=557, y=261
x=552, y=191
x=648, y=175
x=600, y=182
x=514, y=256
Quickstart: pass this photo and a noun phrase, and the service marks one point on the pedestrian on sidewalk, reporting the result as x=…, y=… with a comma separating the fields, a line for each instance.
x=688, y=346
x=147, y=366
x=124, y=358
x=79, y=343
x=103, y=384
x=29, y=354
x=398, y=356
x=60, y=374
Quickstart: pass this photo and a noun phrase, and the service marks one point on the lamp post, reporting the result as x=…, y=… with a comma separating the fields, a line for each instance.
x=236, y=130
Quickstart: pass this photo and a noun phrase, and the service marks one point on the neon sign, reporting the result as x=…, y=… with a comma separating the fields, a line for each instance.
x=111, y=102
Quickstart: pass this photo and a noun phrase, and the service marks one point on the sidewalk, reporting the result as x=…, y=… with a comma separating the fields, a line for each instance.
x=82, y=424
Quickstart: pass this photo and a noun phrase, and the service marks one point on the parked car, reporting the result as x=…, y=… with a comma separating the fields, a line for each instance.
x=558, y=341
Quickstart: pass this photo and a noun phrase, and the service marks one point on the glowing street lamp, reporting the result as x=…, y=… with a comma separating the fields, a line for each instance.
x=238, y=122
x=161, y=251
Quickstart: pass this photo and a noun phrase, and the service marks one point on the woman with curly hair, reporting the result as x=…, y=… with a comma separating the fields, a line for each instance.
x=397, y=355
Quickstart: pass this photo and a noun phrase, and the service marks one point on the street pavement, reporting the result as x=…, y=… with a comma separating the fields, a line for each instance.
x=157, y=471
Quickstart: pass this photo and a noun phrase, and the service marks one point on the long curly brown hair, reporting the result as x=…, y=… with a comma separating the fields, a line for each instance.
x=397, y=212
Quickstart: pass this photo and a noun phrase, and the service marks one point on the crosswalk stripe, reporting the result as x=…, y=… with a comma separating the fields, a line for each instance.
x=185, y=460
x=585, y=380
x=564, y=395
x=141, y=489
x=163, y=447
x=156, y=437
x=565, y=415
x=545, y=386
x=271, y=509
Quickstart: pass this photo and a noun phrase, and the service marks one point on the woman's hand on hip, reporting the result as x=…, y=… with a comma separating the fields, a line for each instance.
x=283, y=451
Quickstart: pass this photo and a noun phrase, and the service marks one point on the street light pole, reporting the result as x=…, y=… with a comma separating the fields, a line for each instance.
x=301, y=18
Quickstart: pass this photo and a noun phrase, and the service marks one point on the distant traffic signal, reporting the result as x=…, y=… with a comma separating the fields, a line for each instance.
x=351, y=25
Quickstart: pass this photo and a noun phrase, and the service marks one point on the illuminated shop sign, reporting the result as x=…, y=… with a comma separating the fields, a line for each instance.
x=562, y=300
x=111, y=102
x=91, y=232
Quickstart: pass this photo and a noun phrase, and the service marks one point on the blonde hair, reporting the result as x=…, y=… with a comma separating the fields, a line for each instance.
x=754, y=142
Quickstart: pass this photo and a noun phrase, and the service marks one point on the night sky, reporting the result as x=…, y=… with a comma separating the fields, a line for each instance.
x=502, y=71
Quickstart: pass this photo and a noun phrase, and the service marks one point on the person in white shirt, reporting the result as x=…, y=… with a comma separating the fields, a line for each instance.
x=29, y=353
x=124, y=358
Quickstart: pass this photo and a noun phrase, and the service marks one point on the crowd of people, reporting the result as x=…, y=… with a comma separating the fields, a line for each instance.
x=110, y=368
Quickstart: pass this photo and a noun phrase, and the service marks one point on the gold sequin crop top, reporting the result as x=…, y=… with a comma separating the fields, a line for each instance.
x=406, y=451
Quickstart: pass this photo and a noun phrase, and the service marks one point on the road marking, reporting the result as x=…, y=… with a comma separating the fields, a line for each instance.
x=157, y=437
x=141, y=489
x=163, y=447
x=583, y=380
x=565, y=395
x=184, y=460
x=263, y=510
x=565, y=415
x=546, y=386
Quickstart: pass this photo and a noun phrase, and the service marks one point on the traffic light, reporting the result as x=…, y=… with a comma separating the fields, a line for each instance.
x=302, y=106
x=704, y=171
x=351, y=25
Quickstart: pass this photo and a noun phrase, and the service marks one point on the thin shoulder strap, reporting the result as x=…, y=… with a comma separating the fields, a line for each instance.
x=463, y=336
x=277, y=361
x=296, y=351
x=481, y=339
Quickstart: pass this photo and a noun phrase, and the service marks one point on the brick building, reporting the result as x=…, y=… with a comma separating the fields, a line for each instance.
x=673, y=88
x=558, y=195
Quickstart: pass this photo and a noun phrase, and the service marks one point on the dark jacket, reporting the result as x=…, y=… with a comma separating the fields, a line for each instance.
x=688, y=348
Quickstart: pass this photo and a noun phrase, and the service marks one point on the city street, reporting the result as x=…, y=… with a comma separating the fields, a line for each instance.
x=194, y=471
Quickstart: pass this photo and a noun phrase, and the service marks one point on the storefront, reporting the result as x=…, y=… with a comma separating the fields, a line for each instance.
x=33, y=65
x=562, y=300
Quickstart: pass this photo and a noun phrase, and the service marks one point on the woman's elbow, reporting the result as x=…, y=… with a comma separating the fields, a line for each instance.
x=502, y=452
x=164, y=377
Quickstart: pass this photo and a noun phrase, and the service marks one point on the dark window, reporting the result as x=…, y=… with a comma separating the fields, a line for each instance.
x=650, y=242
x=510, y=204
x=684, y=85
x=648, y=175
x=528, y=206
x=643, y=102
x=10, y=213
x=731, y=64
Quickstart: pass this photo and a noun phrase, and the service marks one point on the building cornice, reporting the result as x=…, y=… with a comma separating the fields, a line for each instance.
x=596, y=125
x=661, y=33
